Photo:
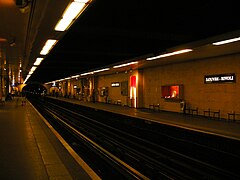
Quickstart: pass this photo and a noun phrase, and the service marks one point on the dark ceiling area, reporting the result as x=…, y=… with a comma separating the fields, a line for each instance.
x=113, y=31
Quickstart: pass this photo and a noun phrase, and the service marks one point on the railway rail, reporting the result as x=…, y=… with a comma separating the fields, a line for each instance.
x=117, y=146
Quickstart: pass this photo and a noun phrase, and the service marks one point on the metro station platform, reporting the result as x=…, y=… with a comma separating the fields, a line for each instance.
x=222, y=127
x=29, y=148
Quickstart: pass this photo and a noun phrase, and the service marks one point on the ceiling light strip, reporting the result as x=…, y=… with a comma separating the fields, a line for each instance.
x=82, y=1
x=76, y=76
x=73, y=10
x=38, y=61
x=48, y=46
x=101, y=70
x=126, y=64
x=33, y=69
x=84, y=74
x=28, y=76
x=226, y=41
x=169, y=54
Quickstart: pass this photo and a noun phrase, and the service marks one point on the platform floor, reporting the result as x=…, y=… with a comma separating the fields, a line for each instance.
x=230, y=129
x=30, y=150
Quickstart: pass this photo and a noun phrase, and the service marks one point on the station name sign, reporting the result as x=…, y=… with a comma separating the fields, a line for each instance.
x=115, y=84
x=220, y=78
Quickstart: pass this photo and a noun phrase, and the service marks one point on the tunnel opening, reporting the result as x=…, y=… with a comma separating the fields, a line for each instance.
x=34, y=89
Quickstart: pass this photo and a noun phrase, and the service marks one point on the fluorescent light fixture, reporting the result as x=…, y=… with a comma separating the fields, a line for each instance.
x=227, y=41
x=84, y=74
x=60, y=80
x=101, y=70
x=73, y=10
x=127, y=64
x=28, y=76
x=75, y=76
x=70, y=14
x=48, y=46
x=33, y=68
x=38, y=61
x=62, y=24
x=169, y=54
x=82, y=1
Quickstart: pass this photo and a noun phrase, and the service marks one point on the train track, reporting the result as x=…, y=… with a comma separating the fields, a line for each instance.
x=120, y=147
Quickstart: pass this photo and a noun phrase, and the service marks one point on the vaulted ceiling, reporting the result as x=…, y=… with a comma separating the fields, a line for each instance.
x=106, y=33
x=25, y=26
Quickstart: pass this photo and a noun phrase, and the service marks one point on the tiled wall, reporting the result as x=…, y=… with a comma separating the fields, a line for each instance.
x=225, y=97
x=114, y=93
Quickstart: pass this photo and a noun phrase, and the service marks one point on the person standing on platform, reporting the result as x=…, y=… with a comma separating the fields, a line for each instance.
x=23, y=100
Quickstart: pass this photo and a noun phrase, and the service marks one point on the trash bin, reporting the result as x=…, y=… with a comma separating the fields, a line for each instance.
x=183, y=106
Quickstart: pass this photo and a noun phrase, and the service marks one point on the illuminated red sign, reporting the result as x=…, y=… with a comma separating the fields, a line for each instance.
x=133, y=81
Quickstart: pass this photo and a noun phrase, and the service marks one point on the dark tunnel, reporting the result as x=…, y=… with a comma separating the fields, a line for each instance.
x=35, y=89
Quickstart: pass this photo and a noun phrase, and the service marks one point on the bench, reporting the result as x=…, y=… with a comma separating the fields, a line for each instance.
x=3, y=100
x=154, y=106
x=233, y=115
x=194, y=110
x=214, y=113
x=118, y=102
x=188, y=110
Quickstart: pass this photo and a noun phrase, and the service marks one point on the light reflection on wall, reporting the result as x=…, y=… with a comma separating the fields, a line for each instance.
x=133, y=91
x=6, y=3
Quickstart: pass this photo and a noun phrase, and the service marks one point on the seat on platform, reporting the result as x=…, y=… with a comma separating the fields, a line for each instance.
x=3, y=99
